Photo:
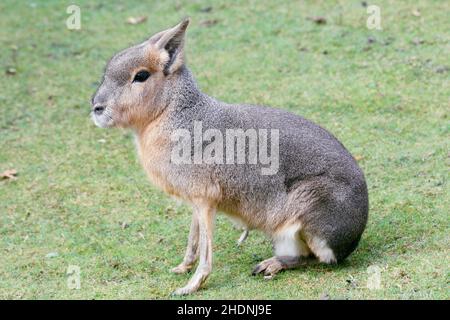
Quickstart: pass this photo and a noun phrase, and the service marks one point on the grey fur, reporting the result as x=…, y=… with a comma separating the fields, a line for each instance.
x=318, y=185
x=330, y=189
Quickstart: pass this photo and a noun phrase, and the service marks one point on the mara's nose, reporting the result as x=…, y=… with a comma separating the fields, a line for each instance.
x=99, y=109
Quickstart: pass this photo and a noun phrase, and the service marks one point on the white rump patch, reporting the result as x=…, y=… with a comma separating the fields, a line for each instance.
x=287, y=242
x=322, y=251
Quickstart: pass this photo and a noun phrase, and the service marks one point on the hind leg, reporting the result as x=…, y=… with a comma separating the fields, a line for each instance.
x=290, y=252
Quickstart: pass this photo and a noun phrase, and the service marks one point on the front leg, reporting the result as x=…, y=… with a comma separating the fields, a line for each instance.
x=205, y=216
x=191, y=254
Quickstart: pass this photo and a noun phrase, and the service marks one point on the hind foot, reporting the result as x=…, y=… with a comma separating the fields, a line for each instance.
x=272, y=266
x=269, y=267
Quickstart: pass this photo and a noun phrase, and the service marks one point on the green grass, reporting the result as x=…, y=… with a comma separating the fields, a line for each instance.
x=387, y=101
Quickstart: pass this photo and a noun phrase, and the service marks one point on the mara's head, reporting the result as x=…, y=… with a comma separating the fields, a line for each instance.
x=137, y=80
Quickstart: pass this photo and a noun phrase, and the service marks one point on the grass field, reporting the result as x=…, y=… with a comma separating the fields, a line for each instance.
x=80, y=197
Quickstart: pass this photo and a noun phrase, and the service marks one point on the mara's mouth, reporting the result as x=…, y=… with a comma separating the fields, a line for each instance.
x=102, y=117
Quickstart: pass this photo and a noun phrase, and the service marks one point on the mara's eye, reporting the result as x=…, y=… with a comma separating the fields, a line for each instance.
x=141, y=76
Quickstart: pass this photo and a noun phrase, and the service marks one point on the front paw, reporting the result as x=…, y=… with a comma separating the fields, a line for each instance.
x=182, y=268
x=194, y=284
x=184, y=291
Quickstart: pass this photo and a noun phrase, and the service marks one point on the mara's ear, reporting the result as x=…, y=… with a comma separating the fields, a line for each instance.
x=170, y=46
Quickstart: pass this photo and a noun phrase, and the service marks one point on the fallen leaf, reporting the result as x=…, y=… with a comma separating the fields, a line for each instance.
x=416, y=13
x=324, y=296
x=11, y=71
x=402, y=274
x=9, y=174
x=442, y=69
x=371, y=40
x=209, y=23
x=51, y=255
x=359, y=157
x=418, y=41
x=318, y=20
x=136, y=20
x=206, y=9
